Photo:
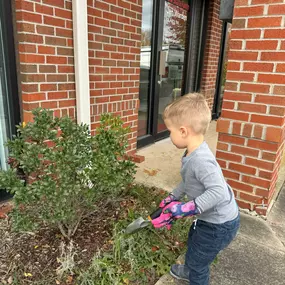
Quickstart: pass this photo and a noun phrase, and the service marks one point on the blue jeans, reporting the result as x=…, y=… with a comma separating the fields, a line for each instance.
x=205, y=241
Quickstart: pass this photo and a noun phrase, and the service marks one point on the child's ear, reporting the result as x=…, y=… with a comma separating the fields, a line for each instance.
x=183, y=131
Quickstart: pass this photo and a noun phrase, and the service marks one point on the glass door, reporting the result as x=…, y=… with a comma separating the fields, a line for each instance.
x=9, y=102
x=171, y=53
x=172, y=57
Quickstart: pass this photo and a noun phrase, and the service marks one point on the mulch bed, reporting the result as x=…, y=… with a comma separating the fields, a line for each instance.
x=32, y=256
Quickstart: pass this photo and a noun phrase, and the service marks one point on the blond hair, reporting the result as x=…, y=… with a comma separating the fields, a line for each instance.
x=190, y=110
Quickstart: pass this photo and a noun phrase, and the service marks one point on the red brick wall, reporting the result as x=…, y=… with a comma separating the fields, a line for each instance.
x=45, y=47
x=212, y=52
x=114, y=56
x=251, y=139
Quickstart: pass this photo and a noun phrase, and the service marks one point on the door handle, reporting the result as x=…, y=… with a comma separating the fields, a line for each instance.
x=162, y=62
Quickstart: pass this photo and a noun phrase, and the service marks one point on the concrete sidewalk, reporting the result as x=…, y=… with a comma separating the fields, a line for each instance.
x=162, y=164
x=257, y=256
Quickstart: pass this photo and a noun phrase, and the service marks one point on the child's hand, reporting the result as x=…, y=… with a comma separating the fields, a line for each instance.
x=180, y=210
x=165, y=219
x=170, y=198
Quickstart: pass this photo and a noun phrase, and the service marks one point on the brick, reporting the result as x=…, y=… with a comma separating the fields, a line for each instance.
x=247, y=87
x=273, y=56
x=49, y=104
x=252, y=108
x=47, y=68
x=240, y=76
x=231, y=175
x=273, y=134
x=274, y=34
x=236, y=128
x=271, y=78
x=102, y=6
x=240, y=186
x=32, y=58
x=245, y=151
x=67, y=103
x=48, y=87
x=30, y=87
x=55, y=41
x=44, y=30
x=57, y=78
x=57, y=59
x=261, y=45
x=265, y=174
x=26, y=27
x=57, y=3
x=222, y=146
x=30, y=38
x=66, y=14
x=263, y=145
x=242, y=55
x=26, y=6
x=242, y=168
x=57, y=95
x=279, y=90
x=257, y=66
x=28, y=68
x=231, y=139
x=238, y=23
x=247, y=130
x=271, y=100
x=259, y=163
x=251, y=198
x=276, y=9
x=255, y=2
x=233, y=66
x=262, y=192
x=264, y=22
x=258, y=130
x=34, y=97
x=66, y=86
x=33, y=77
x=228, y=156
x=66, y=69
x=29, y=17
x=278, y=111
x=256, y=181
x=66, y=33
x=54, y=21
x=239, y=116
x=245, y=34
x=234, y=96
x=244, y=205
x=46, y=50
x=248, y=11
x=65, y=51
x=267, y=120
x=223, y=126
x=280, y=67
x=43, y=9
x=27, y=48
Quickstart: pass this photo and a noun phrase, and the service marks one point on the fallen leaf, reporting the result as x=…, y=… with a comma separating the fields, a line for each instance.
x=69, y=279
x=10, y=280
x=28, y=274
x=36, y=246
x=155, y=248
x=126, y=281
x=57, y=282
x=151, y=172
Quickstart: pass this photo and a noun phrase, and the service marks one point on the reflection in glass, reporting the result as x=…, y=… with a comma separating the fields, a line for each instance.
x=174, y=36
x=145, y=66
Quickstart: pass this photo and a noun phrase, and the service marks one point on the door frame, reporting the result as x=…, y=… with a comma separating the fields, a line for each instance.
x=156, y=47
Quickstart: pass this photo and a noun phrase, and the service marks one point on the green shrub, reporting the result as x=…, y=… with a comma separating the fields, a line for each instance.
x=68, y=169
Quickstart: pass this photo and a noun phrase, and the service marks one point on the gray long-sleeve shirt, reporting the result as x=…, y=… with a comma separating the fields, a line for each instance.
x=203, y=180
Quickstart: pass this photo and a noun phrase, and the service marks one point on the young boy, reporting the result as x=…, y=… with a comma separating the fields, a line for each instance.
x=210, y=197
